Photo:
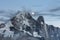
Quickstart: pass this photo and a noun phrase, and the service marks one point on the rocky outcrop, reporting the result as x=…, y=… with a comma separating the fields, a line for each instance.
x=2, y=25
x=54, y=32
x=40, y=20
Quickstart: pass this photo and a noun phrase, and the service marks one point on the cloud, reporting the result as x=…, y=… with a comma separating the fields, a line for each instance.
x=6, y=15
x=55, y=9
x=44, y=14
x=1, y=11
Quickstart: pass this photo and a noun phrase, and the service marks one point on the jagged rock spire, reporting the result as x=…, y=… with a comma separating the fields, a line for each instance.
x=40, y=20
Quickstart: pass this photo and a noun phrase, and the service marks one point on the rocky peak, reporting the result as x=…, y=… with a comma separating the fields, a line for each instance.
x=40, y=20
x=28, y=16
x=24, y=21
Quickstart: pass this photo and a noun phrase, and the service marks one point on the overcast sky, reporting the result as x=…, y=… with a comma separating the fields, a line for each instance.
x=50, y=9
x=31, y=4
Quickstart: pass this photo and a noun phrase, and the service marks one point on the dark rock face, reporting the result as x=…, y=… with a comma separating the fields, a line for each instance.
x=41, y=22
x=28, y=16
x=40, y=19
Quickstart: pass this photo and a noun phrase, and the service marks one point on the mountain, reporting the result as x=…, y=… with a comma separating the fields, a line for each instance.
x=23, y=26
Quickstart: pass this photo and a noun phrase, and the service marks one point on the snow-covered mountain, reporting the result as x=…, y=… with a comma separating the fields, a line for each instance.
x=23, y=23
x=23, y=26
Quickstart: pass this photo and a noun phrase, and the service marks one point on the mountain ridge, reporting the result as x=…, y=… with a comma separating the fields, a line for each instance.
x=24, y=23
